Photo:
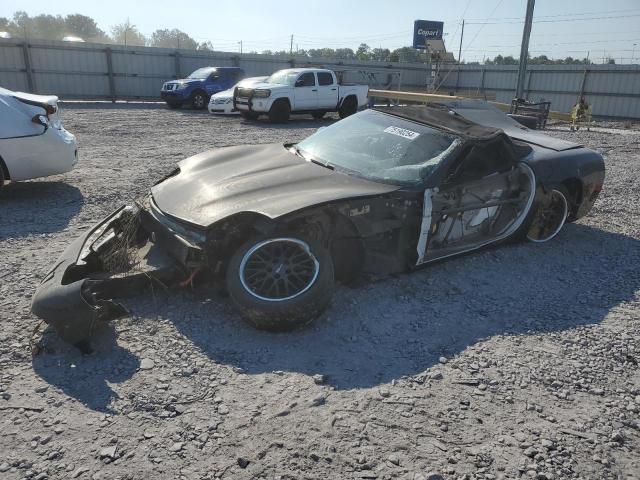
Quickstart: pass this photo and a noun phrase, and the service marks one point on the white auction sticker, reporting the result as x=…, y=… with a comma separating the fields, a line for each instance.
x=402, y=132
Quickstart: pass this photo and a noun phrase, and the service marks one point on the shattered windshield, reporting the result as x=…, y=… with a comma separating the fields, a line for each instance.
x=201, y=73
x=380, y=147
x=283, y=77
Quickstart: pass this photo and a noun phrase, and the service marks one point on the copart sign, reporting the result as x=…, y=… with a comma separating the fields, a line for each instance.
x=424, y=30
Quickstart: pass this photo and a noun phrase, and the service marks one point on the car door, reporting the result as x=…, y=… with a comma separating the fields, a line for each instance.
x=305, y=92
x=327, y=90
x=483, y=198
x=213, y=83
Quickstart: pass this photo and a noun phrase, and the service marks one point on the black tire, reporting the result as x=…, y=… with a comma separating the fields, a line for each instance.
x=319, y=115
x=174, y=105
x=305, y=301
x=280, y=111
x=349, y=107
x=556, y=199
x=199, y=100
x=2, y=176
x=249, y=115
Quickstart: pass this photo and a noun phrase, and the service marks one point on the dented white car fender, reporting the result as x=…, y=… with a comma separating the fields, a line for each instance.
x=33, y=142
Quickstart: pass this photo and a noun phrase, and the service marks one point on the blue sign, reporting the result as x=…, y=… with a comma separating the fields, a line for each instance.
x=424, y=30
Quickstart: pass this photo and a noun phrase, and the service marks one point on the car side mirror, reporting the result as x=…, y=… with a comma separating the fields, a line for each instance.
x=299, y=83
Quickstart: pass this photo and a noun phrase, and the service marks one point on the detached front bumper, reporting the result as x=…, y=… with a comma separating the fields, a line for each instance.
x=77, y=294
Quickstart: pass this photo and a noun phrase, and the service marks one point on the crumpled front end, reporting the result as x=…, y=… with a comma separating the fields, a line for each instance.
x=118, y=257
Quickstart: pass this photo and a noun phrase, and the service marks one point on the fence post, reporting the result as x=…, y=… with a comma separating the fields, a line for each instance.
x=112, y=83
x=177, y=64
x=482, y=82
x=31, y=83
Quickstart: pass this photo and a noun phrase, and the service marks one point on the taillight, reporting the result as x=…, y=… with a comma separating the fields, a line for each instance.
x=41, y=120
x=50, y=109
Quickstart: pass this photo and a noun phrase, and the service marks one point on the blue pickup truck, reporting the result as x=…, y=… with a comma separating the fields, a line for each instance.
x=196, y=89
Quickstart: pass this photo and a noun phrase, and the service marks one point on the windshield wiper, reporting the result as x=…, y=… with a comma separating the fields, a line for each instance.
x=322, y=164
x=296, y=150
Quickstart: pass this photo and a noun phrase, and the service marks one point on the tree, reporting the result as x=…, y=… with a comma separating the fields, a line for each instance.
x=208, y=46
x=611, y=61
x=172, y=39
x=344, y=53
x=363, y=52
x=380, y=54
x=83, y=27
x=127, y=34
x=41, y=26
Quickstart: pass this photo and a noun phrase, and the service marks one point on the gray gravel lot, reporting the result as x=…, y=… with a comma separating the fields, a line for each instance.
x=517, y=362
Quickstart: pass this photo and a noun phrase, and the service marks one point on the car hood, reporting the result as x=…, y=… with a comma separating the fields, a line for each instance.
x=223, y=94
x=265, y=179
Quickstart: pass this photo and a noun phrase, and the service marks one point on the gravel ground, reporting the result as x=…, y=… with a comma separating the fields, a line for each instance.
x=517, y=362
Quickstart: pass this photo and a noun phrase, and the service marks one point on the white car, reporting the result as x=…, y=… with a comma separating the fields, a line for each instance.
x=33, y=142
x=222, y=102
x=300, y=90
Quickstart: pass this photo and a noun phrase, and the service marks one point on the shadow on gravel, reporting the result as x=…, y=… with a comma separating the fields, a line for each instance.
x=401, y=326
x=86, y=377
x=37, y=207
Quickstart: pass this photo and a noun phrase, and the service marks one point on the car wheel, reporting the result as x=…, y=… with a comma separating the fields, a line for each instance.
x=249, y=115
x=279, y=111
x=549, y=216
x=319, y=115
x=349, y=107
x=199, y=100
x=2, y=179
x=281, y=282
x=174, y=105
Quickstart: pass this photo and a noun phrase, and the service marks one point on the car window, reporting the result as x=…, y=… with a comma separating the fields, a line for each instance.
x=325, y=78
x=202, y=73
x=381, y=147
x=307, y=79
x=283, y=77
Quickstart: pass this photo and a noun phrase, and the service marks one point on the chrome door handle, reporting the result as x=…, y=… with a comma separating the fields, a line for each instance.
x=314, y=90
x=333, y=89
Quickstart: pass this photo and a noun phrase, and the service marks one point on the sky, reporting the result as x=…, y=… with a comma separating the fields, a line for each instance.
x=561, y=28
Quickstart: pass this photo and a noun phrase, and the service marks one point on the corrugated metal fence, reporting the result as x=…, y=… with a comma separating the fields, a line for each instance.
x=96, y=71
x=612, y=90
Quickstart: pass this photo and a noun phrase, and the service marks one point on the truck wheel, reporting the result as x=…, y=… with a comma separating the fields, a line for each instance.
x=280, y=282
x=249, y=115
x=198, y=100
x=318, y=115
x=349, y=107
x=279, y=111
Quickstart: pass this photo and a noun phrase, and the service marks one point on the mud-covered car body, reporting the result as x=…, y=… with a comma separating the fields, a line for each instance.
x=478, y=185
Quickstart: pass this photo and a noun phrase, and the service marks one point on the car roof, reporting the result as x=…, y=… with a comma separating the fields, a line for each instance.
x=442, y=118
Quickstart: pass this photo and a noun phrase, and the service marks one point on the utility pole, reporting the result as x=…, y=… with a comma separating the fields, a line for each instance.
x=524, y=48
x=291, y=46
x=460, y=48
x=459, y=57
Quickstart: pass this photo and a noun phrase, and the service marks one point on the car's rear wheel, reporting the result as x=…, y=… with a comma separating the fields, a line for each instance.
x=280, y=282
x=198, y=100
x=280, y=111
x=349, y=107
x=249, y=115
x=319, y=115
x=549, y=216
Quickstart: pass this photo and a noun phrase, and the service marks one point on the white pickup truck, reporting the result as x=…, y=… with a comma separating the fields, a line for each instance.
x=299, y=90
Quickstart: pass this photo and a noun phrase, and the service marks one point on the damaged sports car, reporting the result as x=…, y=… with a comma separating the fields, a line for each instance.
x=384, y=191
